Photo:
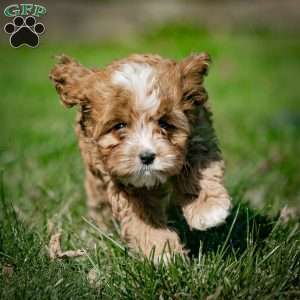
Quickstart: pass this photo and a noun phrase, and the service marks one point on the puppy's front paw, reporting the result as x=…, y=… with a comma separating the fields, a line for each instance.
x=163, y=245
x=202, y=215
x=169, y=256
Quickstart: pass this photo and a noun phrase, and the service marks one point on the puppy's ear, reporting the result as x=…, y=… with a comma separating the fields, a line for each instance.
x=70, y=79
x=193, y=70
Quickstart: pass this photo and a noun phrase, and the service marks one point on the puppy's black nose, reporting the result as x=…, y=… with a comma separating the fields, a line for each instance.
x=147, y=157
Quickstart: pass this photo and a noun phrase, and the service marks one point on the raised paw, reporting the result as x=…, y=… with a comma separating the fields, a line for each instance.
x=202, y=215
x=24, y=32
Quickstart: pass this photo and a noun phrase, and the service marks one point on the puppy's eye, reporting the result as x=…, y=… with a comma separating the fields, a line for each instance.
x=165, y=124
x=119, y=126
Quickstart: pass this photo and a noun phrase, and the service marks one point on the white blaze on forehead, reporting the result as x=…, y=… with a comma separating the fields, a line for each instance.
x=140, y=79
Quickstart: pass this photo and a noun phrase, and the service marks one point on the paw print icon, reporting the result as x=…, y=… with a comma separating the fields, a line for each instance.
x=24, y=31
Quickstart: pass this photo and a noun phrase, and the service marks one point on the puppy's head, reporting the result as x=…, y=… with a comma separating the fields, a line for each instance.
x=138, y=111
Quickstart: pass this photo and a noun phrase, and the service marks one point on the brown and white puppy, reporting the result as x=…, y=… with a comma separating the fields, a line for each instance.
x=147, y=141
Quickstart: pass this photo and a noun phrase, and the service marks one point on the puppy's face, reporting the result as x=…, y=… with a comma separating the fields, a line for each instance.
x=138, y=111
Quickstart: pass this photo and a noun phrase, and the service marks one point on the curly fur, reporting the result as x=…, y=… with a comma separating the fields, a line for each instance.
x=146, y=102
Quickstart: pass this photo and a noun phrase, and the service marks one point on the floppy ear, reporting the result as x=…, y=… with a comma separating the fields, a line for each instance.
x=193, y=70
x=70, y=79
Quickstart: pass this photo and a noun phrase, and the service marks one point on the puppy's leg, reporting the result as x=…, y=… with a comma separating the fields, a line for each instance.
x=144, y=228
x=210, y=206
x=95, y=180
x=98, y=206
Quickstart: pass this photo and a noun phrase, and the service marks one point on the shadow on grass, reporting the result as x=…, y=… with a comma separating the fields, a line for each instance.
x=244, y=226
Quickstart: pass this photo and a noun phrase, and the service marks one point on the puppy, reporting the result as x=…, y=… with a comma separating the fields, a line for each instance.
x=147, y=142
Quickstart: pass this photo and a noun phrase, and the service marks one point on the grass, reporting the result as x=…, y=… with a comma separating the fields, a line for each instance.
x=254, y=92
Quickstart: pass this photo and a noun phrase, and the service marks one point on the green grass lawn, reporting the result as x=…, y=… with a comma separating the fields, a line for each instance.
x=254, y=92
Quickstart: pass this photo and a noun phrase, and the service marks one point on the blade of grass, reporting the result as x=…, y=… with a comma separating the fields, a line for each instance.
x=103, y=234
x=229, y=232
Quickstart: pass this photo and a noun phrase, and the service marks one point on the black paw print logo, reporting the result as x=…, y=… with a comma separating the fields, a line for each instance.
x=24, y=32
